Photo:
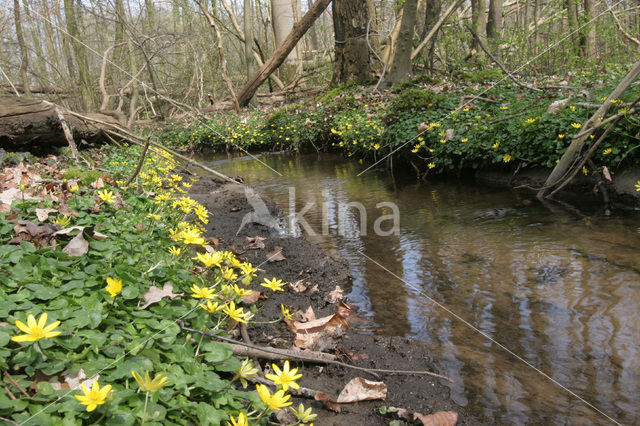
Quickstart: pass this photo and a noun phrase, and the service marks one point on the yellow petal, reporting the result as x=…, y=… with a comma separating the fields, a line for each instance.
x=104, y=392
x=51, y=334
x=23, y=338
x=31, y=321
x=23, y=327
x=95, y=387
x=43, y=320
x=51, y=327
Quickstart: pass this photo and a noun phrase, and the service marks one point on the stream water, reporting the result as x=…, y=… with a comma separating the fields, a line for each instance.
x=556, y=286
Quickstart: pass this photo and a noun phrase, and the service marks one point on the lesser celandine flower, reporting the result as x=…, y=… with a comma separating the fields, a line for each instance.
x=576, y=125
x=175, y=250
x=106, y=196
x=638, y=186
x=94, y=397
x=148, y=385
x=506, y=158
x=241, y=421
x=234, y=313
x=273, y=284
x=285, y=377
x=74, y=188
x=246, y=371
x=212, y=308
x=241, y=292
x=202, y=292
x=303, y=416
x=114, y=286
x=285, y=312
x=36, y=330
x=276, y=401
x=209, y=259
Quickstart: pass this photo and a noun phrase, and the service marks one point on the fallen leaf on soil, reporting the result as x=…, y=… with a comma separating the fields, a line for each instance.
x=43, y=214
x=305, y=316
x=77, y=246
x=606, y=175
x=327, y=402
x=298, y=287
x=98, y=184
x=13, y=194
x=360, y=389
x=213, y=241
x=252, y=298
x=156, y=294
x=29, y=231
x=72, y=381
x=255, y=243
x=310, y=334
x=336, y=295
x=276, y=255
x=441, y=418
x=4, y=208
x=95, y=235
x=286, y=417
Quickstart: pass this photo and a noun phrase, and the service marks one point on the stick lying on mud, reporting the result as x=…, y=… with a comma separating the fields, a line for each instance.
x=289, y=354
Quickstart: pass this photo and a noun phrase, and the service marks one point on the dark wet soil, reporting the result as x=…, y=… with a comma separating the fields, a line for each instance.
x=305, y=261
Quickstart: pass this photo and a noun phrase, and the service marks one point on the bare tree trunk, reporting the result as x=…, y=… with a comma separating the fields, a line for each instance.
x=150, y=16
x=590, y=36
x=24, y=60
x=282, y=21
x=374, y=38
x=572, y=20
x=354, y=60
x=299, y=29
x=494, y=21
x=80, y=55
x=479, y=23
x=401, y=68
x=248, y=34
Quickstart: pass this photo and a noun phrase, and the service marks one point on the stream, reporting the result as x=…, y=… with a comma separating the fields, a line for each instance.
x=558, y=287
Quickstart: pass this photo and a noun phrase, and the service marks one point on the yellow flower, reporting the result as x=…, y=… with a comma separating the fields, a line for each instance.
x=561, y=136
x=376, y=146
x=94, y=397
x=192, y=236
x=585, y=171
x=285, y=312
x=186, y=184
x=572, y=107
x=106, y=196
x=607, y=151
x=495, y=145
x=638, y=186
x=576, y=125
x=74, y=188
x=202, y=213
x=202, y=293
x=303, y=416
x=506, y=158
x=114, y=286
x=62, y=220
x=148, y=385
x=209, y=259
x=154, y=216
x=212, y=308
x=504, y=107
x=175, y=250
x=246, y=371
x=241, y=292
x=228, y=274
x=235, y=314
x=285, y=377
x=465, y=140
x=431, y=165
x=36, y=330
x=242, y=420
x=273, y=284
x=276, y=401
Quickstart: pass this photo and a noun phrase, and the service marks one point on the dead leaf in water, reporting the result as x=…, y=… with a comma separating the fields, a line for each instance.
x=276, y=255
x=441, y=418
x=156, y=294
x=360, y=389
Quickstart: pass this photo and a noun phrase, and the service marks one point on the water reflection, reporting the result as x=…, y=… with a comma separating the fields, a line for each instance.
x=559, y=288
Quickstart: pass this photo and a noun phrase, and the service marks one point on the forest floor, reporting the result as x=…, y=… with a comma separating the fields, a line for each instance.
x=309, y=264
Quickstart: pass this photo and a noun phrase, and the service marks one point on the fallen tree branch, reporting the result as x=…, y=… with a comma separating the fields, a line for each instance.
x=293, y=355
x=67, y=133
x=143, y=154
x=502, y=67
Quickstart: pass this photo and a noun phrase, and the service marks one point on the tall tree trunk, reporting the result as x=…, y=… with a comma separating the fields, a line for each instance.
x=479, y=24
x=282, y=21
x=150, y=16
x=34, y=30
x=590, y=36
x=79, y=54
x=494, y=21
x=353, y=59
x=401, y=68
x=24, y=60
x=374, y=38
x=572, y=21
x=431, y=13
x=248, y=35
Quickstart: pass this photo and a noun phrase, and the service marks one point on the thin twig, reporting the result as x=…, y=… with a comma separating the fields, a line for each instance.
x=9, y=421
x=371, y=371
x=143, y=154
x=502, y=67
x=16, y=385
x=11, y=395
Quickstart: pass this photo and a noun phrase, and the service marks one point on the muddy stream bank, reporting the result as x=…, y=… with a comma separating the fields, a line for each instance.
x=557, y=286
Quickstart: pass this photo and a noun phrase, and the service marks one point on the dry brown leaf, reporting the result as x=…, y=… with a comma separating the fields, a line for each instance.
x=322, y=331
x=13, y=194
x=94, y=234
x=209, y=249
x=5, y=207
x=156, y=294
x=98, y=184
x=360, y=389
x=255, y=243
x=606, y=175
x=336, y=295
x=327, y=402
x=299, y=286
x=77, y=246
x=251, y=298
x=441, y=418
x=276, y=255
x=43, y=214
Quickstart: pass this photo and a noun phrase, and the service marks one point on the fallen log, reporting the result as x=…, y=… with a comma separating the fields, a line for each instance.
x=34, y=125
